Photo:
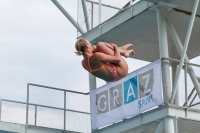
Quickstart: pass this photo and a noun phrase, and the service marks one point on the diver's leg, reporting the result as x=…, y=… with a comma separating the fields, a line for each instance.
x=109, y=49
x=122, y=66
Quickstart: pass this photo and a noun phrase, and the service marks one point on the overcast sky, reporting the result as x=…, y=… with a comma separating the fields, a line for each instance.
x=37, y=46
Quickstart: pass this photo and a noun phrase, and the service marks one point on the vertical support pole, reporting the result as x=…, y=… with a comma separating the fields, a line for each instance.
x=27, y=103
x=163, y=47
x=186, y=99
x=174, y=66
x=160, y=127
x=169, y=125
x=0, y=108
x=175, y=125
x=85, y=15
x=100, y=11
x=35, y=115
x=92, y=82
x=92, y=12
x=183, y=53
x=64, y=110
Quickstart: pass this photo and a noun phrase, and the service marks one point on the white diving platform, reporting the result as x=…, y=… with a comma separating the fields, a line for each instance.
x=138, y=25
x=149, y=121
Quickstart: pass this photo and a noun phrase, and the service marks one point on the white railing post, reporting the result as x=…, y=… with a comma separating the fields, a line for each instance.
x=27, y=104
x=174, y=66
x=35, y=115
x=85, y=14
x=0, y=108
x=64, y=111
x=100, y=11
x=92, y=13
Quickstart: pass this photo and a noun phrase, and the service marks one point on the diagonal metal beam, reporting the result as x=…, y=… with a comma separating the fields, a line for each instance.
x=160, y=127
x=193, y=99
x=180, y=49
x=179, y=46
x=194, y=104
x=85, y=14
x=68, y=16
x=184, y=52
x=190, y=95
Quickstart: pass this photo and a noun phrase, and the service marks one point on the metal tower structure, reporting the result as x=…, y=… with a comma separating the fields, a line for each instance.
x=166, y=29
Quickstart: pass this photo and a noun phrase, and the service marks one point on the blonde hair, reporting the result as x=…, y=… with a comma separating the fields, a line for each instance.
x=80, y=46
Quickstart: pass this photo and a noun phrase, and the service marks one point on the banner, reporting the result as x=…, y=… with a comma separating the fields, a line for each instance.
x=128, y=97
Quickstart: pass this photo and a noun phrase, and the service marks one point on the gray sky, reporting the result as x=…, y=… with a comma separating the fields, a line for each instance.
x=37, y=46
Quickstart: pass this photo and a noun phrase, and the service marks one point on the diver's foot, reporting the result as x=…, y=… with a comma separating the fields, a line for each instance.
x=125, y=47
x=128, y=53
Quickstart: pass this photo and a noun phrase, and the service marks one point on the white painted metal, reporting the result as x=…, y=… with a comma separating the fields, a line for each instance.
x=180, y=49
x=160, y=127
x=174, y=66
x=131, y=1
x=184, y=51
x=169, y=125
x=92, y=82
x=68, y=16
x=0, y=108
x=162, y=31
x=93, y=2
x=100, y=11
x=135, y=123
x=64, y=123
x=86, y=15
x=183, y=5
x=144, y=33
x=92, y=15
x=175, y=125
x=11, y=127
x=186, y=91
x=115, y=22
x=163, y=47
x=27, y=107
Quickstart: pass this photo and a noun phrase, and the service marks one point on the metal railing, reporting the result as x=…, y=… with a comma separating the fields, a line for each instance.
x=97, y=12
x=58, y=103
x=40, y=111
x=185, y=85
